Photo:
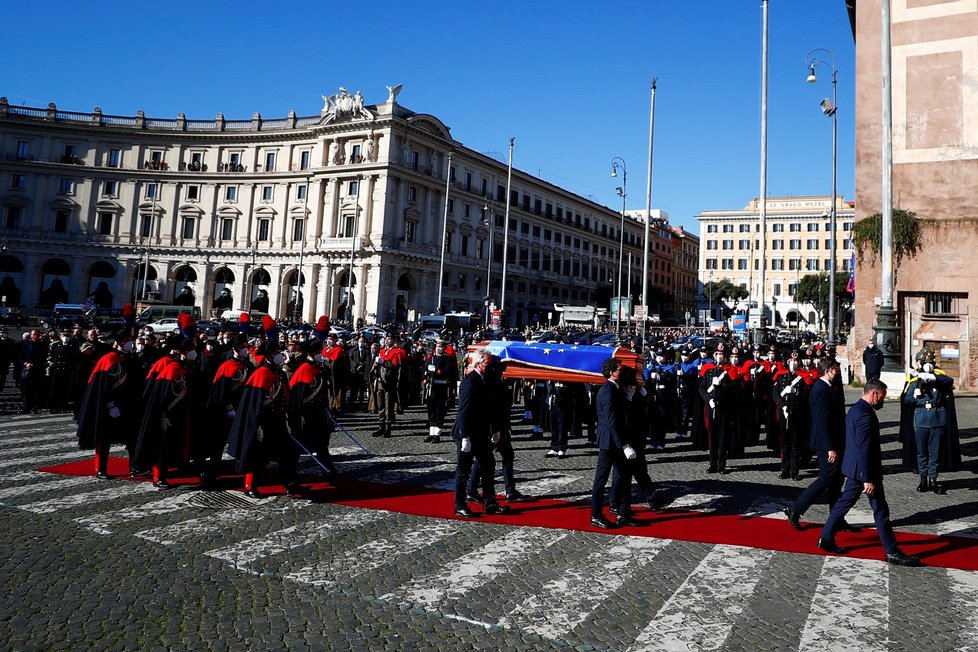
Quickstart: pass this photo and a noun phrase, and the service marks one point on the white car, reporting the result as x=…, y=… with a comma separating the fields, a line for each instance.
x=164, y=326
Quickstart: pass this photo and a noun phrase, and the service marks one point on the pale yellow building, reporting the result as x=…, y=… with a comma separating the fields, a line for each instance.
x=797, y=243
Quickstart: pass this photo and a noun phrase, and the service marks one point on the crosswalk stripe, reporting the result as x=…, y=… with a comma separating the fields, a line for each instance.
x=67, y=436
x=103, y=522
x=35, y=448
x=850, y=607
x=373, y=555
x=119, y=490
x=701, y=613
x=964, y=588
x=697, y=502
x=245, y=553
x=547, y=485
x=183, y=531
x=36, y=460
x=958, y=528
x=564, y=603
x=477, y=568
x=48, y=483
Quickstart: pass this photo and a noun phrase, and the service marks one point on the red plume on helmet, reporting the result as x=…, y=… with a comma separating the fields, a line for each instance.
x=188, y=327
x=129, y=315
x=270, y=326
x=245, y=318
x=322, y=328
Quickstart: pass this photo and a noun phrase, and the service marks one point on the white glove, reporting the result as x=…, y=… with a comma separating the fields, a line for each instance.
x=232, y=414
x=796, y=381
x=713, y=404
x=114, y=412
x=630, y=453
x=923, y=375
x=787, y=390
x=164, y=423
x=654, y=376
x=717, y=380
x=496, y=437
x=679, y=372
x=466, y=444
x=916, y=393
x=784, y=411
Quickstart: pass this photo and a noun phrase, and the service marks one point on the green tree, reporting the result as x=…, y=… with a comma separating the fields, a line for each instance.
x=722, y=291
x=814, y=289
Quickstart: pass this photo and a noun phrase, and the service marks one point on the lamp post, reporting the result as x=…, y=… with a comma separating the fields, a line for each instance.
x=710, y=318
x=622, y=191
x=353, y=251
x=444, y=233
x=487, y=219
x=829, y=108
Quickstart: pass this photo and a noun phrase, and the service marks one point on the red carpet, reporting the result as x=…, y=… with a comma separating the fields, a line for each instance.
x=729, y=529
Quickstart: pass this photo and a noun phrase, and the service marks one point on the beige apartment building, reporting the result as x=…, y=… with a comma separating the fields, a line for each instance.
x=798, y=231
x=270, y=215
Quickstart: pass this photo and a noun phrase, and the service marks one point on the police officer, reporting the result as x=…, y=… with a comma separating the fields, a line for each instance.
x=927, y=394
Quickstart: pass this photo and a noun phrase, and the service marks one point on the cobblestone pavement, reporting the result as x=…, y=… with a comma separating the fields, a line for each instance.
x=88, y=564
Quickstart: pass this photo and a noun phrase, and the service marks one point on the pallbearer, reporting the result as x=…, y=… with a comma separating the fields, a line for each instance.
x=437, y=375
x=108, y=412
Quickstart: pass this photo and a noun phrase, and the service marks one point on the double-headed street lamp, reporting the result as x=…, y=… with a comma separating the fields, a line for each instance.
x=488, y=220
x=622, y=191
x=830, y=108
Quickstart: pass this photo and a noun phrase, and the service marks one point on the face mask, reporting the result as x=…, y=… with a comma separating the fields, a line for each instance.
x=127, y=347
x=140, y=347
x=878, y=405
x=703, y=354
x=770, y=357
x=243, y=352
x=719, y=358
x=685, y=358
x=734, y=360
x=279, y=359
x=793, y=365
x=928, y=368
x=191, y=355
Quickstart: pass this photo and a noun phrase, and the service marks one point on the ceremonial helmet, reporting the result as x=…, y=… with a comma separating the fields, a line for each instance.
x=925, y=356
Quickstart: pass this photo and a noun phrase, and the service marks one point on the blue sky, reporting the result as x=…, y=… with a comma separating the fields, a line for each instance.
x=570, y=80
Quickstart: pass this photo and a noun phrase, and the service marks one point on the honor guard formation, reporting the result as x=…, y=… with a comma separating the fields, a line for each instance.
x=182, y=402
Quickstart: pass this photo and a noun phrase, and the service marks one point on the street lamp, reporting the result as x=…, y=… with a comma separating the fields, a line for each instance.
x=487, y=220
x=710, y=318
x=830, y=108
x=621, y=191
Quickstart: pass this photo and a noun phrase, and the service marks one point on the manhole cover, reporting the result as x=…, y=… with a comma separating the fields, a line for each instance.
x=222, y=500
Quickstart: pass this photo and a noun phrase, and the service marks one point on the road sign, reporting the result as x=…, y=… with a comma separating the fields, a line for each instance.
x=641, y=312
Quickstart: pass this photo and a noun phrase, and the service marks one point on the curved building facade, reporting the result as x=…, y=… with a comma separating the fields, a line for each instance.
x=268, y=215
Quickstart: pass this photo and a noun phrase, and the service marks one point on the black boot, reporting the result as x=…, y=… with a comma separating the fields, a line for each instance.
x=924, y=485
x=936, y=487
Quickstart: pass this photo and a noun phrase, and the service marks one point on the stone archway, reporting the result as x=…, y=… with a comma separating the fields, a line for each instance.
x=100, y=274
x=55, y=280
x=223, y=290
x=405, y=299
x=11, y=281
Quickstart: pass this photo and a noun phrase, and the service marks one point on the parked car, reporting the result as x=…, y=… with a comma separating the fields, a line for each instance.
x=210, y=327
x=545, y=336
x=13, y=317
x=67, y=316
x=372, y=333
x=164, y=326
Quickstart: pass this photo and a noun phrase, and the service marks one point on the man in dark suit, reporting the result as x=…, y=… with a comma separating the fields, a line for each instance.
x=827, y=439
x=474, y=437
x=862, y=466
x=33, y=364
x=613, y=444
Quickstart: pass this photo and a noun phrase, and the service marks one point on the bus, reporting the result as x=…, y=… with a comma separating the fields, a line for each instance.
x=458, y=322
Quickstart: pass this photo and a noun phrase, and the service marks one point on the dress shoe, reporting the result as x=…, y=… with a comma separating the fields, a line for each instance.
x=624, y=520
x=496, y=508
x=724, y=470
x=253, y=493
x=898, y=558
x=551, y=453
x=713, y=469
x=829, y=546
x=603, y=523
x=161, y=484
x=429, y=439
x=656, y=502
x=387, y=433
x=792, y=518
x=473, y=498
x=561, y=454
x=379, y=432
x=784, y=475
x=613, y=511
x=464, y=511
x=936, y=487
x=436, y=439
x=102, y=475
x=515, y=496
x=845, y=526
